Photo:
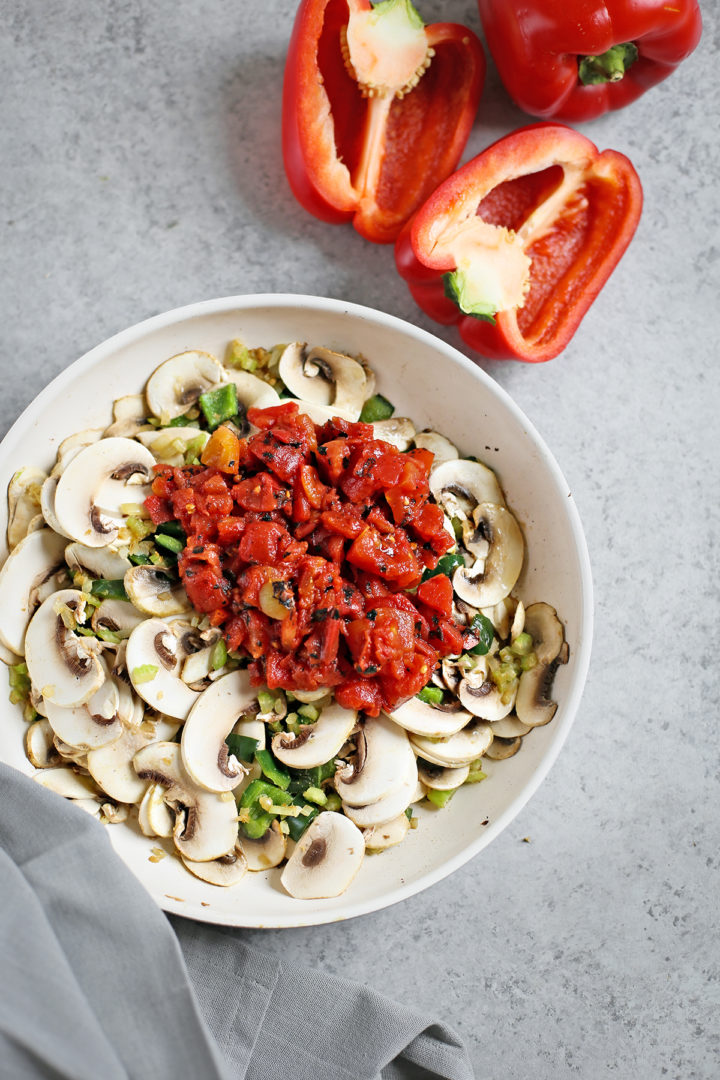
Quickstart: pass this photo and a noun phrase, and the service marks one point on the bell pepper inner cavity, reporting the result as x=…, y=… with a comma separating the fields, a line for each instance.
x=386, y=49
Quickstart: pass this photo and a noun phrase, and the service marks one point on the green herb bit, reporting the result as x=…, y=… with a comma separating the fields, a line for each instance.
x=182, y=421
x=315, y=795
x=219, y=655
x=475, y=775
x=259, y=820
x=376, y=408
x=309, y=712
x=271, y=769
x=242, y=746
x=485, y=633
x=522, y=645
x=144, y=673
x=138, y=527
x=106, y=589
x=219, y=404
x=194, y=448
x=139, y=560
x=266, y=701
x=440, y=798
x=170, y=543
x=446, y=564
x=431, y=695
x=239, y=356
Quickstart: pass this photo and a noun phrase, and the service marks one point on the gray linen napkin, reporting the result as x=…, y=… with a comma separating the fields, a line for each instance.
x=95, y=984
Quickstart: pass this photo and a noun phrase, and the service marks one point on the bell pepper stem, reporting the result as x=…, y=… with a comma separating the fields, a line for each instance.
x=609, y=66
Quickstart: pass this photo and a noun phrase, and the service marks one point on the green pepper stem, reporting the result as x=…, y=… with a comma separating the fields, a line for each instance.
x=609, y=66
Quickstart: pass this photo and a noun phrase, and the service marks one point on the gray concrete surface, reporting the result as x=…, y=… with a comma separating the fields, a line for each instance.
x=140, y=169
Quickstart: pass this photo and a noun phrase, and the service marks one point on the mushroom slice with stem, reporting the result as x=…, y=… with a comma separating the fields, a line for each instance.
x=153, y=660
x=398, y=430
x=382, y=837
x=265, y=852
x=387, y=808
x=459, y=485
x=64, y=668
x=502, y=564
x=155, y=817
x=533, y=704
x=228, y=870
x=39, y=745
x=316, y=743
x=424, y=719
x=384, y=758
x=23, y=502
x=153, y=593
x=209, y=722
x=111, y=766
x=206, y=822
x=485, y=700
x=323, y=377
x=438, y=445
x=442, y=778
x=326, y=858
x=108, y=465
x=33, y=560
x=177, y=383
x=461, y=749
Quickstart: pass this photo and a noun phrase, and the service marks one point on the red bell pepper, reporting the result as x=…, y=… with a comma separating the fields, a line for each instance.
x=516, y=245
x=576, y=59
x=376, y=110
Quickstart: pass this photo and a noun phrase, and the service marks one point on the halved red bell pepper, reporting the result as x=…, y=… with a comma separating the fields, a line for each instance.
x=516, y=245
x=376, y=110
x=576, y=59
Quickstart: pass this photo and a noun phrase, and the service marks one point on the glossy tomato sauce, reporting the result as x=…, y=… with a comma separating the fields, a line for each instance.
x=307, y=545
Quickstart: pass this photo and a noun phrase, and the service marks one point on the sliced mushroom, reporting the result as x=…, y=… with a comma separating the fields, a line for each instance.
x=209, y=722
x=117, y=616
x=228, y=870
x=500, y=749
x=88, y=726
x=509, y=728
x=206, y=823
x=153, y=593
x=33, y=560
x=153, y=645
x=111, y=767
x=485, y=701
x=382, y=837
x=266, y=852
x=384, y=759
x=398, y=430
x=178, y=382
x=318, y=742
x=533, y=705
x=23, y=502
x=252, y=392
x=64, y=668
x=504, y=559
x=39, y=745
x=459, y=485
x=326, y=858
x=323, y=377
x=64, y=781
x=461, y=749
x=129, y=417
x=107, y=465
x=97, y=562
x=112, y=813
x=387, y=808
x=155, y=817
x=441, y=448
x=424, y=719
x=441, y=778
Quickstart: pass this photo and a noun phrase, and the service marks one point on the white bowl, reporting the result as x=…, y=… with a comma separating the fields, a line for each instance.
x=437, y=387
